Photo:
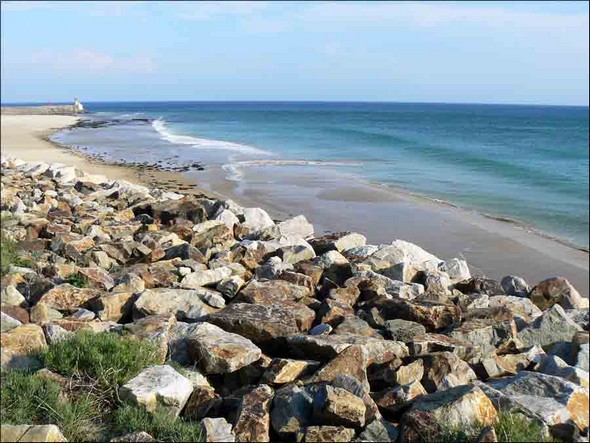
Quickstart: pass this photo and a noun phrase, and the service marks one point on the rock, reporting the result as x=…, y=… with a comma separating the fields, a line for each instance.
x=11, y=296
x=328, y=434
x=296, y=227
x=18, y=343
x=134, y=437
x=291, y=409
x=379, y=430
x=112, y=307
x=339, y=241
x=204, y=278
x=487, y=335
x=456, y=408
x=66, y=297
x=322, y=347
x=97, y=278
x=219, y=352
x=553, y=365
x=211, y=237
x=296, y=253
x=155, y=328
x=82, y=315
x=394, y=288
x=227, y=218
x=431, y=315
x=515, y=286
x=557, y=290
x=352, y=361
x=256, y=219
x=334, y=312
x=440, y=364
x=286, y=370
x=129, y=283
x=55, y=333
x=487, y=435
x=188, y=208
x=8, y=322
x=355, y=326
x=495, y=366
x=480, y=285
x=403, y=330
x=321, y=329
x=253, y=415
x=552, y=327
x=519, y=307
x=337, y=406
x=217, y=430
x=429, y=343
x=396, y=398
x=158, y=387
x=17, y=313
x=183, y=303
x=41, y=314
x=580, y=316
x=229, y=287
x=31, y=433
x=550, y=398
x=456, y=269
x=202, y=402
x=259, y=323
x=271, y=291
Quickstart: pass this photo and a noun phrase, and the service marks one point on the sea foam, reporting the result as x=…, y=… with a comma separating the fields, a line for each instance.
x=204, y=143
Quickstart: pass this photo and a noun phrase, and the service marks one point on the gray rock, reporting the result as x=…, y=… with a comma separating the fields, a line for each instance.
x=403, y=330
x=456, y=269
x=217, y=430
x=552, y=327
x=292, y=409
x=184, y=304
x=321, y=329
x=379, y=430
x=217, y=351
x=204, y=278
x=515, y=286
x=158, y=388
x=8, y=323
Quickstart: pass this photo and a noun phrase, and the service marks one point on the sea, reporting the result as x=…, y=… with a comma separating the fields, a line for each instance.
x=518, y=163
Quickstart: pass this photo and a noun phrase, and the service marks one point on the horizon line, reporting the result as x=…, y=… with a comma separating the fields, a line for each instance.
x=24, y=103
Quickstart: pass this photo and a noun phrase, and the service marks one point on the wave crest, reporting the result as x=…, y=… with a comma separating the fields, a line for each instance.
x=203, y=143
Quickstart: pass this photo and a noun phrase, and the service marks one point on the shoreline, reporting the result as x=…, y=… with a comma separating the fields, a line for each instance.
x=479, y=242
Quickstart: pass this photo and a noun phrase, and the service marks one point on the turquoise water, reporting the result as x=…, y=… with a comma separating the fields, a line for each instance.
x=527, y=163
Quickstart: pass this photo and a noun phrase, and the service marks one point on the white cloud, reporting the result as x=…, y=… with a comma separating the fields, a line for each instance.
x=87, y=61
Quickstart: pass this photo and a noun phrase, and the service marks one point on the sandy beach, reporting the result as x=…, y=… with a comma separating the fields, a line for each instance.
x=492, y=248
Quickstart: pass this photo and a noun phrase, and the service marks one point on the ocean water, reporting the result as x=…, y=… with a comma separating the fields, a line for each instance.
x=523, y=163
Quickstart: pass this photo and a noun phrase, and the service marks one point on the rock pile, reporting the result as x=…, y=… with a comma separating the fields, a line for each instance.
x=290, y=337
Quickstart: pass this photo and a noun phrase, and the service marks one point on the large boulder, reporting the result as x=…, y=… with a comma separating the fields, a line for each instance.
x=337, y=406
x=551, y=328
x=66, y=297
x=515, y=286
x=557, y=290
x=19, y=343
x=480, y=285
x=196, y=279
x=442, y=369
x=259, y=323
x=458, y=408
x=431, y=315
x=183, y=303
x=296, y=227
x=31, y=433
x=253, y=415
x=271, y=291
x=158, y=388
x=552, y=399
x=217, y=351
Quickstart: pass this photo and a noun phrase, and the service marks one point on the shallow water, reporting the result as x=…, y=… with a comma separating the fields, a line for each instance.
x=528, y=163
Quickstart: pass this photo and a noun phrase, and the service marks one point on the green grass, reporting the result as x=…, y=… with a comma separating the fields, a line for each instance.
x=159, y=425
x=27, y=398
x=510, y=427
x=8, y=251
x=105, y=358
x=77, y=280
x=87, y=407
x=515, y=427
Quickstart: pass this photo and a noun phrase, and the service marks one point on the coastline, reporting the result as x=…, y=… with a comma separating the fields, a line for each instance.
x=492, y=247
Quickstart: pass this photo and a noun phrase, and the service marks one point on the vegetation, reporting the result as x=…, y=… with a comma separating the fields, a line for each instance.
x=104, y=358
x=77, y=280
x=8, y=250
x=159, y=425
x=85, y=406
x=28, y=398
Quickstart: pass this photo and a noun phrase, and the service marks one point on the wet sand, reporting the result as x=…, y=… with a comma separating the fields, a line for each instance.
x=492, y=248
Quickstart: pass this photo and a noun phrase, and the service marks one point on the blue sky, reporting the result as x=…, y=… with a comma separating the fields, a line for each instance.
x=485, y=52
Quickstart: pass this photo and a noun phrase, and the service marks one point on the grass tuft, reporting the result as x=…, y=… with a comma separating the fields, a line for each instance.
x=77, y=280
x=105, y=358
x=159, y=425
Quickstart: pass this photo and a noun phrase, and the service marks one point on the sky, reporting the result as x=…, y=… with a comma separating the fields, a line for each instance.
x=466, y=52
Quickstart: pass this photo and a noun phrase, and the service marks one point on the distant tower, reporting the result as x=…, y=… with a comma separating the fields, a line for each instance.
x=78, y=106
